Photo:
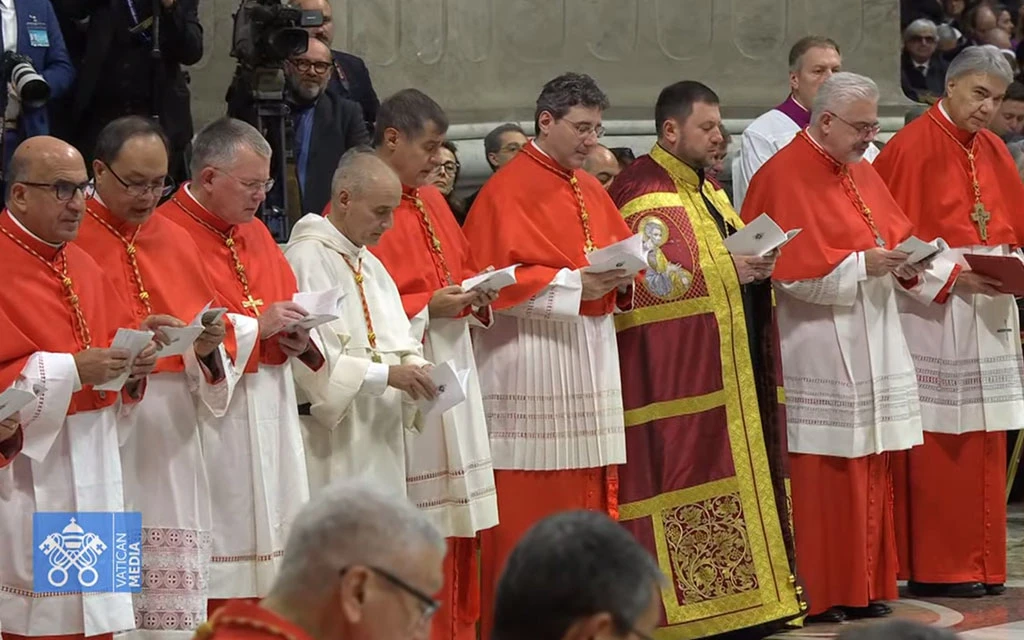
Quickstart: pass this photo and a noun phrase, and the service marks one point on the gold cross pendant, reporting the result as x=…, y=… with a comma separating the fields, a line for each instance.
x=254, y=305
x=981, y=218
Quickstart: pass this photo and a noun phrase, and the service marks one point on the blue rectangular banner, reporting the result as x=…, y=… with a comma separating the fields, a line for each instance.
x=92, y=552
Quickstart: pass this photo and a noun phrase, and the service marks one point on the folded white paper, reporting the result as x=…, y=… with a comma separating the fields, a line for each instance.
x=182, y=338
x=14, y=400
x=919, y=250
x=491, y=280
x=451, y=390
x=760, y=237
x=322, y=307
x=134, y=342
x=626, y=255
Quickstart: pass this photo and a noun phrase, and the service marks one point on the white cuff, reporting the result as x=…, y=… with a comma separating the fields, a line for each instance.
x=375, y=382
x=862, y=267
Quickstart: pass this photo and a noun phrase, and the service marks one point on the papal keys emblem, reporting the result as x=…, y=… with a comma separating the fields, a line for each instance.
x=72, y=549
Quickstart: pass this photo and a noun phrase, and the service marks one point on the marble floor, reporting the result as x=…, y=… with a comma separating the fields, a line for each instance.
x=990, y=618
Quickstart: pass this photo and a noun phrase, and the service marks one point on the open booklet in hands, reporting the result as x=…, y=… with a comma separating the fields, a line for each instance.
x=759, y=238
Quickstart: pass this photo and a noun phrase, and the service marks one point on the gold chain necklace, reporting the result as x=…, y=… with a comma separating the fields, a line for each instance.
x=435, y=242
x=979, y=215
x=588, y=244
x=371, y=336
x=130, y=249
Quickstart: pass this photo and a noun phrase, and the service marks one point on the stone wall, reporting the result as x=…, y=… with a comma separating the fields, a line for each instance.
x=485, y=60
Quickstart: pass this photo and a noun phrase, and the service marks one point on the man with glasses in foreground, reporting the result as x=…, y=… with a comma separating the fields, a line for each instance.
x=574, y=576
x=360, y=563
x=549, y=368
x=956, y=180
x=851, y=388
x=58, y=317
x=253, y=450
x=159, y=269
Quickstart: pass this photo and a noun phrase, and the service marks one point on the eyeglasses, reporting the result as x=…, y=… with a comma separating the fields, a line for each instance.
x=585, y=129
x=864, y=130
x=253, y=186
x=449, y=167
x=428, y=606
x=139, y=190
x=305, y=65
x=64, y=190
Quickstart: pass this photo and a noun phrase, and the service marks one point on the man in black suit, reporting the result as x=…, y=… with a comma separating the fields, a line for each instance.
x=923, y=71
x=350, y=78
x=110, y=42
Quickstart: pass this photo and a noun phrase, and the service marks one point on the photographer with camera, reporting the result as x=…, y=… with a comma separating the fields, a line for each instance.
x=130, y=63
x=35, y=67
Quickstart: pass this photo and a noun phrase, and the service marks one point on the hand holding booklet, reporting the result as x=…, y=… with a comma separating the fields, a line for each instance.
x=132, y=341
x=182, y=338
x=1008, y=270
x=626, y=255
x=322, y=306
x=451, y=390
x=14, y=400
x=494, y=280
x=919, y=250
x=759, y=238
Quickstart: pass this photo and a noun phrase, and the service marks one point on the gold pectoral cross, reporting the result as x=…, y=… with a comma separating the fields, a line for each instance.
x=981, y=218
x=253, y=304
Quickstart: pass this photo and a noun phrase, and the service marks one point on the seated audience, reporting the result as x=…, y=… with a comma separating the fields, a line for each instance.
x=500, y=145
x=445, y=175
x=922, y=69
x=1008, y=122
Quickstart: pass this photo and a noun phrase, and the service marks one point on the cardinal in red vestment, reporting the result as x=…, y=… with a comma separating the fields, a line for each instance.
x=956, y=181
x=59, y=314
x=449, y=473
x=549, y=367
x=253, y=452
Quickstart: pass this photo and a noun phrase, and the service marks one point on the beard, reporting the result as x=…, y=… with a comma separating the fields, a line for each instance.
x=303, y=92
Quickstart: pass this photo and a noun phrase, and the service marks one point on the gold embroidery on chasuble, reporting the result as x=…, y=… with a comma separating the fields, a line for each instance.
x=664, y=278
x=720, y=543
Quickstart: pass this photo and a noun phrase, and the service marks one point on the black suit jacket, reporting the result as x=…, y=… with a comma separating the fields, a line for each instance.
x=923, y=88
x=356, y=85
x=337, y=127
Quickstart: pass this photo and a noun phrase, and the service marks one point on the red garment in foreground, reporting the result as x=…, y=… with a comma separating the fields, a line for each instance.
x=460, y=596
x=845, y=534
x=14, y=636
x=969, y=544
x=244, y=620
x=549, y=492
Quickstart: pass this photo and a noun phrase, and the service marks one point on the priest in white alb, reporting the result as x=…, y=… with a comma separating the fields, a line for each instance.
x=356, y=409
x=851, y=387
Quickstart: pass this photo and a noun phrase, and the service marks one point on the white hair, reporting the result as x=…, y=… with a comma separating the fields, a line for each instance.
x=919, y=27
x=841, y=89
x=218, y=143
x=350, y=523
x=985, y=59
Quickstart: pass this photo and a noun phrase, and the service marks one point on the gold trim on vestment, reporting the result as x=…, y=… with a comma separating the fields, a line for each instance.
x=774, y=596
x=781, y=393
x=673, y=310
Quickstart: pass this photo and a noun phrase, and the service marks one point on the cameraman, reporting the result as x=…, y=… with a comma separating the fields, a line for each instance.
x=119, y=73
x=30, y=33
x=322, y=124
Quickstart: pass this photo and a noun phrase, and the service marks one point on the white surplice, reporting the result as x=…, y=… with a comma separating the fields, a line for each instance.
x=968, y=355
x=851, y=388
x=761, y=140
x=550, y=382
x=68, y=463
x=357, y=422
x=449, y=472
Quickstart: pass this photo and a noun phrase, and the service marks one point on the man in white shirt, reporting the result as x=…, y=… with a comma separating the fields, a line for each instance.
x=812, y=61
x=353, y=422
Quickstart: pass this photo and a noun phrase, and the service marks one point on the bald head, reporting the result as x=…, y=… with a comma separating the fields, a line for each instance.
x=364, y=194
x=50, y=212
x=602, y=164
x=325, y=31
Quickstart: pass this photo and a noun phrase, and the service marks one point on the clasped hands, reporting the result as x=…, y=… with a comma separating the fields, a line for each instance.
x=282, y=314
x=753, y=268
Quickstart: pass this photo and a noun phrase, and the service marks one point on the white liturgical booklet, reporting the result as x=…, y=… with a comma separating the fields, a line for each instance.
x=491, y=280
x=919, y=250
x=14, y=400
x=451, y=390
x=322, y=307
x=134, y=342
x=760, y=237
x=626, y=255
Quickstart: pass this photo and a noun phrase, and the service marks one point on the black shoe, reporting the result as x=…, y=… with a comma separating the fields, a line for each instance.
x=954, y=590
x=830, y=616
x=873, y=610
x=995, y=589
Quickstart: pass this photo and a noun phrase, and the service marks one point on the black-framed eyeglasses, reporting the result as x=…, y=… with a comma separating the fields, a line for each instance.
x=449, y=167
x=318, y=66
x=139, y=190
x=428, y=605
x=64, y=190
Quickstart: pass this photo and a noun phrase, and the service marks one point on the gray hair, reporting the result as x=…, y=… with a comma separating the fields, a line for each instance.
x=841, y=89
x=567, y=91
x=350, y=523
x=570, y=566
x=355, y=167
x=985, y=59
x=920, y=27
x=219, y=142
